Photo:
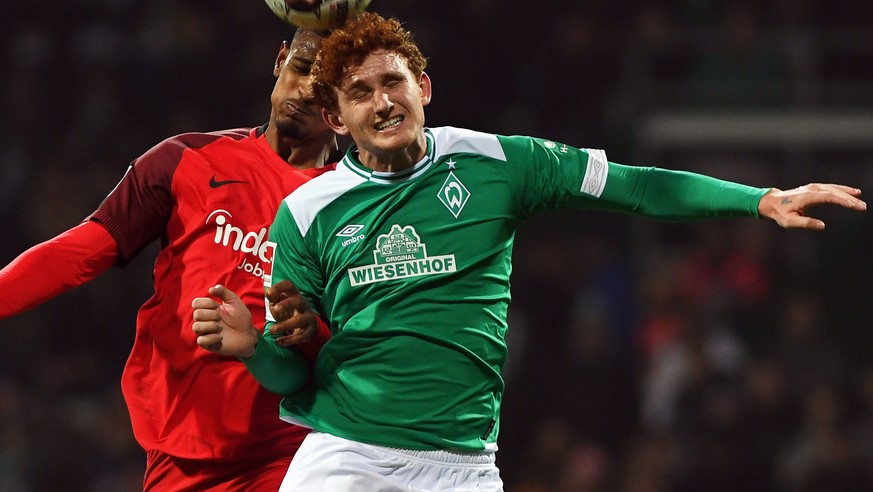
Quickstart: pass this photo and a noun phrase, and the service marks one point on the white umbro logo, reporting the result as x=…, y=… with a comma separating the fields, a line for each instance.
x=349, y=230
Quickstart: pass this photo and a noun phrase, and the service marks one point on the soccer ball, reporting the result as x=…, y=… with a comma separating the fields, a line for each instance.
x=326, y=15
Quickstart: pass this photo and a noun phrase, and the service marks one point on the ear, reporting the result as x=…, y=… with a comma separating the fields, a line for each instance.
x=426, y=89
x=284, y=50
x=335, y=122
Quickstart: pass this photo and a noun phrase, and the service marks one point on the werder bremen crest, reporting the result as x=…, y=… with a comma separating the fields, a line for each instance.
x=400, y=254
x=454, y=194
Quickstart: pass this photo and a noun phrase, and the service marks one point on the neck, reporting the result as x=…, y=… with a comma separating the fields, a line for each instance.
x=394, y=160
x=306, y=158
x=301, y=153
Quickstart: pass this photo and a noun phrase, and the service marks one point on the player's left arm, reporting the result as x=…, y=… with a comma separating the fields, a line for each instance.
x=279, y=362
x=294, y=288
x=561, y=176
x=670, y=195
x=555, y=176
x=678, y=195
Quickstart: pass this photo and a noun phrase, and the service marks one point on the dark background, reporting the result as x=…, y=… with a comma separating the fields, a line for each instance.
x=644, y=356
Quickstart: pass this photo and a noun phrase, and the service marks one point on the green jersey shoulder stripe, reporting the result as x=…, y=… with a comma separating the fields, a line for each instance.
x=450, y=140
x=308, y=200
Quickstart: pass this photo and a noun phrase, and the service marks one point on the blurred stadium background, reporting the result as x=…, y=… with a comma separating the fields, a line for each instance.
x=643, y=356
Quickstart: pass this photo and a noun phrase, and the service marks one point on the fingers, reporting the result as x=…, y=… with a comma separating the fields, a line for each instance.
x=802, y=222
x=295, y=321
x=223, y=293
x=282, y=290
x=204, y=303
x=211, y=343
x=847, y=189
x=299, y=328
x=788, y=208
x=208, y=333
x=207, y=323
x=844, y=196
x=207, y=310
x=205, y=326
x=289, y=308
x=296, y=336
x=285, y=301
x=299, y=321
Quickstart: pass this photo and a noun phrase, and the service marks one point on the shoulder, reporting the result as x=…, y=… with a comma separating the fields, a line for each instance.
x=172, y=148
x=309, y=199
x=452, y=140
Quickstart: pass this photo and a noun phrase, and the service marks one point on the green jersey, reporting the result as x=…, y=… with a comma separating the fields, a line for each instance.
x=412, y=272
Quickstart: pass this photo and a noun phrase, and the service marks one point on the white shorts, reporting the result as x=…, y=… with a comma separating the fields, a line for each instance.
x=329, y=463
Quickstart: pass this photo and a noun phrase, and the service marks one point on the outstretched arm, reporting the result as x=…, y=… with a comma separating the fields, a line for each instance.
x=788, y=208
x=224, y=326
x=56, y=266
x=678, y=195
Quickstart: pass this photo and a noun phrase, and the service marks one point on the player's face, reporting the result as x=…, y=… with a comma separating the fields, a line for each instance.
x=295, y=113
x=381, y=105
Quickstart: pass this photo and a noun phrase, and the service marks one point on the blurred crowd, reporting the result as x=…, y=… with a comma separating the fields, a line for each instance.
x=644, y=356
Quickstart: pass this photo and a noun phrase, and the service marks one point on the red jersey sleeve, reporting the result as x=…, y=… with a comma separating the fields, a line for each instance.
x=136, y=212
x=55, y=266
x=311, y=348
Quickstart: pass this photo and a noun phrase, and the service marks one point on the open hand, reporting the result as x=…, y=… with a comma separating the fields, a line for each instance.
x=788, y=208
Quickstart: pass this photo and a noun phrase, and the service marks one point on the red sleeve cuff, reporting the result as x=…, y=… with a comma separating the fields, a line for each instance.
x=312, y=347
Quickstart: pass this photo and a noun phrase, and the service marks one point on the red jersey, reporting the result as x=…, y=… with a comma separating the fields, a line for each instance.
x=210, y=198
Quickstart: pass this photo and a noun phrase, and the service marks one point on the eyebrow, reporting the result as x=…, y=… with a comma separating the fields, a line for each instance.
x=385, y=77
x=357, y=84
x=305, y=59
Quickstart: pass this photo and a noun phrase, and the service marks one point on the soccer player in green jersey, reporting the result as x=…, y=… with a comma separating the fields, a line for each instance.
x=405, y=250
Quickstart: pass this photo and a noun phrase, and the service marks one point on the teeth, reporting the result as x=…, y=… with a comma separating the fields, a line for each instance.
x=385, y=124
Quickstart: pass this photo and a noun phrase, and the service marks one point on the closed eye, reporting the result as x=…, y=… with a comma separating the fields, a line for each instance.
x=302, y=68
x=357, y=94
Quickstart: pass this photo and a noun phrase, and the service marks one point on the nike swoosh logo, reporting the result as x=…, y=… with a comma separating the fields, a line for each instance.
x=215, y=184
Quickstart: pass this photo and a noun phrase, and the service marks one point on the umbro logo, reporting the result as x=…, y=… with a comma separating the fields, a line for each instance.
x=351, y=233
x=215, y=184
x=349, y=230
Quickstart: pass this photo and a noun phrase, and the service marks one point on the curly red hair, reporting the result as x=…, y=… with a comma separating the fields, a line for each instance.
x=347, y=46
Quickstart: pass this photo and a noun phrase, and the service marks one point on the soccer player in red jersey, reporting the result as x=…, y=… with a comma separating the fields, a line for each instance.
x=203, y=420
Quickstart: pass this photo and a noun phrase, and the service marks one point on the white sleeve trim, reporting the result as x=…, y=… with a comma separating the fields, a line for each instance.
x=596, y=172
x=311, y=197
x=451, y=140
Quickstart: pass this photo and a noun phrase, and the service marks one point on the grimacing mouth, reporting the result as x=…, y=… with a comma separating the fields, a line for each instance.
x=389, y=122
